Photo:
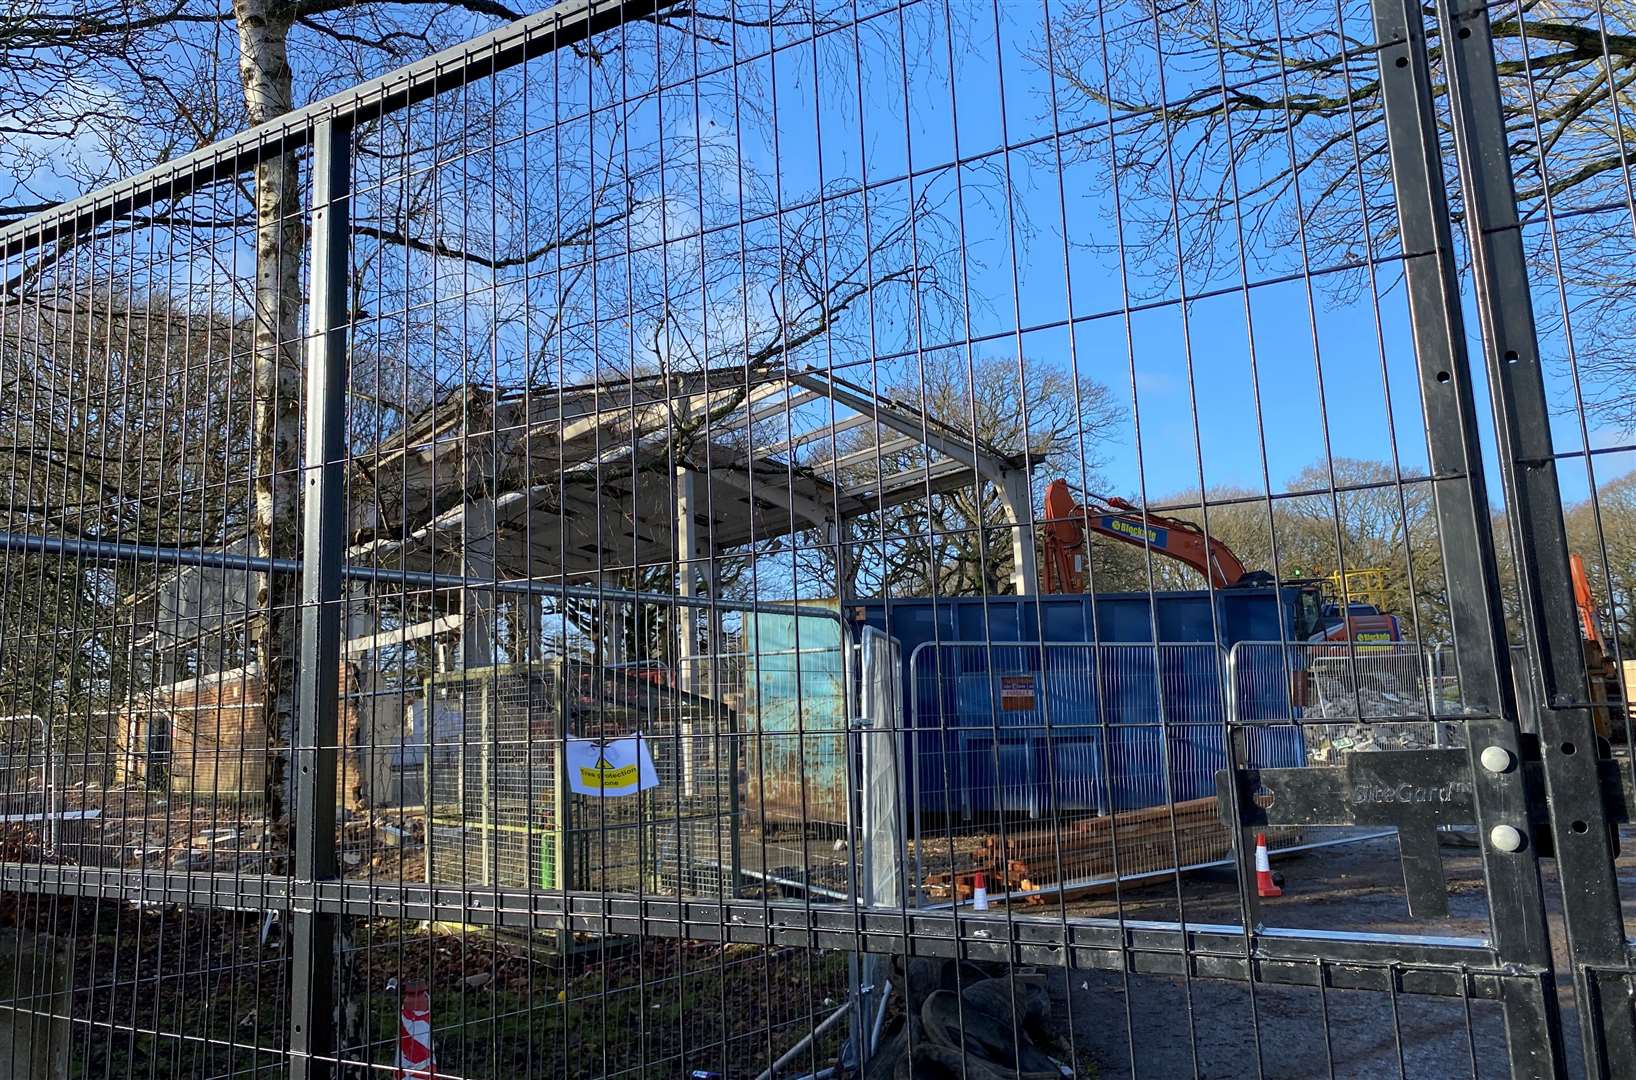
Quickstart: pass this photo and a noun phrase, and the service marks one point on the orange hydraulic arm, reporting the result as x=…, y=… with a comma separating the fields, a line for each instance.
x=1065, y=522
x=1584, y=600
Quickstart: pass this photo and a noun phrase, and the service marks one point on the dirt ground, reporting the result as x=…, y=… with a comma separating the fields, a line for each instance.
x=499, y=1010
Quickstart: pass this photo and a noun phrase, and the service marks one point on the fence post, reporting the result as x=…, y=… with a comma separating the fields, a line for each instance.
x=1559, y=694
x=313, y=933
x=1491, y=717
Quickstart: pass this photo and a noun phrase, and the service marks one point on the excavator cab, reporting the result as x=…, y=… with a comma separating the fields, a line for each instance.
x=1319, y=618
x=1309, y=614
x=1350, y=608
x=1359, y=623
x=1336, y=637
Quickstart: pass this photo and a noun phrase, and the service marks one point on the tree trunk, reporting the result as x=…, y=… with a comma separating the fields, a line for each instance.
x=264, y=71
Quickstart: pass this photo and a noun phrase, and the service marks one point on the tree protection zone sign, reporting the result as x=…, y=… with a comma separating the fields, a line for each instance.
x=610, y=767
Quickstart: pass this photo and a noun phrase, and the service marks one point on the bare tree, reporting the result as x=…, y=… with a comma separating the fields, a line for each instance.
x=1370, y=523
x=1256, y=131
x=105, y=438
x=455, y=285
x=958, y=542
x=473, y=264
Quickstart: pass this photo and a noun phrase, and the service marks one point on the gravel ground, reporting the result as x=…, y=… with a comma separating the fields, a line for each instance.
x=1147, y=1026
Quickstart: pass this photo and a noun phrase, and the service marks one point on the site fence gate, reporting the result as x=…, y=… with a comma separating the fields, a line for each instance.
x=531, y=565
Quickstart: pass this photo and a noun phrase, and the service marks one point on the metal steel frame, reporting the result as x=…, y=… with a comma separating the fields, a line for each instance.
x=105, y=551
x=1517, y=908
x=1411, y=964
x=313, y=937
x=1583, y=837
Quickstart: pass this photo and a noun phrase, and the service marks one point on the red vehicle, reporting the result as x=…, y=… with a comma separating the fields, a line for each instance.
x=1066, y=522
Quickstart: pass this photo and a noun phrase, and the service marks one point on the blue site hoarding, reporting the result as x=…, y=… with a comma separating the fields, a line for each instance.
x=1018, y=704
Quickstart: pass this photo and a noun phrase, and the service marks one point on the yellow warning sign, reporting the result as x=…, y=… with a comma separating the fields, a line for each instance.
x=610, y=767
x=602, y=775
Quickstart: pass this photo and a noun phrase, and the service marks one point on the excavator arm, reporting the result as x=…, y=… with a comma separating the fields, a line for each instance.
x=1066, y=522
x=1585, y=601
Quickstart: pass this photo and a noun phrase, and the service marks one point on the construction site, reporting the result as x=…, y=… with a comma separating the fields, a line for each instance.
x=1049, y=744
x=1043, y=757
x=852, y=542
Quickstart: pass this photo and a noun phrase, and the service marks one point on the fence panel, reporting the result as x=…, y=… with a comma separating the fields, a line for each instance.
x=836, y=540
x=144, y=375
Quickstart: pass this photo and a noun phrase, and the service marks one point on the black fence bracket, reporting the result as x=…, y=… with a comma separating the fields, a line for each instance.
x=1417, y=792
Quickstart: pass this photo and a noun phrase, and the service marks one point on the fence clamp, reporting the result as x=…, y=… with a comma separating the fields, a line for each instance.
x=1417, y=792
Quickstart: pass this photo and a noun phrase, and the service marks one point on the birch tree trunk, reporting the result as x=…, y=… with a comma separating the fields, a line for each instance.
x=264, y=71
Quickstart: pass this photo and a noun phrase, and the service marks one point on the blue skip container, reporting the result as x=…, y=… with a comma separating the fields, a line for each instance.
x=1019, y=705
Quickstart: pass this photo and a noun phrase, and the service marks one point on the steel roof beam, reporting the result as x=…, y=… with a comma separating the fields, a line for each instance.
x=916, y=425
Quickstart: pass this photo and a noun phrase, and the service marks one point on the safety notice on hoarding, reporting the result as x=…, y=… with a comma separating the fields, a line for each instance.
x=610, y=767
x=1017, y=693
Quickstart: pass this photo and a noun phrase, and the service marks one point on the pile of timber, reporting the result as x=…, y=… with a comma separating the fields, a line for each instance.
x=1026, y=857
x=1149, y=839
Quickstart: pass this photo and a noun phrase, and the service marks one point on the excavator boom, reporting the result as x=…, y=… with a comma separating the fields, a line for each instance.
x=1066, y=521
x=1585, y=601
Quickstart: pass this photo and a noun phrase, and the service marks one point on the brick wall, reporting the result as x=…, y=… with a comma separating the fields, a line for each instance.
x=217, y=742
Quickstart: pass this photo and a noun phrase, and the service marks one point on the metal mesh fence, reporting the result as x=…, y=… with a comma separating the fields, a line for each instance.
x=817, y=540
x=1055, y=768
x=499, y=812
x=1349, y=698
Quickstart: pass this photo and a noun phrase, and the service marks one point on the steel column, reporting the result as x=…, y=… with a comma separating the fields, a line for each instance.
x=1017, y=496
x=1581, y=832
x=479, y=607
x=313, y=933
x=1516, y=900
x=688, y=574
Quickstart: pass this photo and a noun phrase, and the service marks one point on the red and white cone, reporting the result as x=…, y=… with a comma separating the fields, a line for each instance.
x=1265, y=886
x=415, y=1060
x=979, y=893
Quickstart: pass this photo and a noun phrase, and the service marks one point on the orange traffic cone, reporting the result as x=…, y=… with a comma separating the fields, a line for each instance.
x=415, y=1060
x=1265, y=886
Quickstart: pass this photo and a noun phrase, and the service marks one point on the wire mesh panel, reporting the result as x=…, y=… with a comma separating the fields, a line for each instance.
x=1049, y=766
x=153, y=404
x=800, y=771
x=1348, y=698
x=499, y=811
x=817, y=539
x=882, y=789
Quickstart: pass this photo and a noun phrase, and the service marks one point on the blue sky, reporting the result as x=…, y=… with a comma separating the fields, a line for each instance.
x=1333, y=334
x=1172, y=366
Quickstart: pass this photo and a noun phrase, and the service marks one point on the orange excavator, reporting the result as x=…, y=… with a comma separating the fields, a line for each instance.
x=1065, y=522
x=1589, y=618
x=1601, y=669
